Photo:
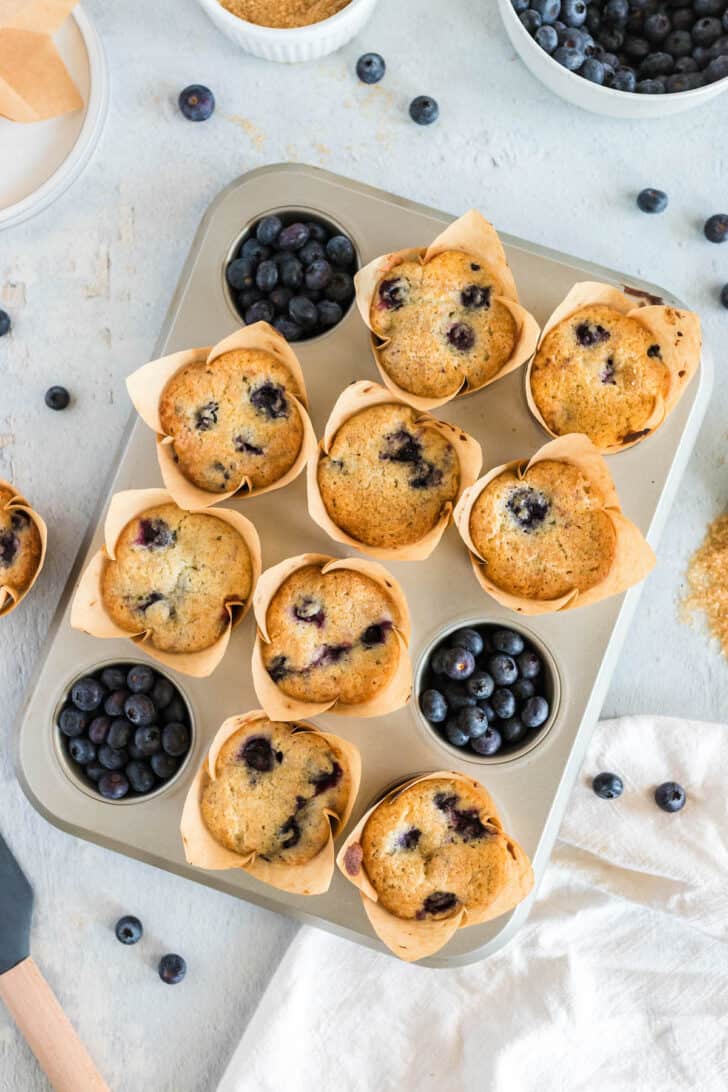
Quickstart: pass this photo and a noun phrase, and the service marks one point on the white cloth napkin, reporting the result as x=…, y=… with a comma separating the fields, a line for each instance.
x=618, y=980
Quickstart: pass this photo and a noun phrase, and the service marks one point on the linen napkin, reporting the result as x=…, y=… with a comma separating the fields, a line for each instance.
x=34, y=82
x=618, y=980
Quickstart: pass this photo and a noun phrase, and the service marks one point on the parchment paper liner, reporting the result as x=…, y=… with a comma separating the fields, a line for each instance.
x=411, y=939
x=633, y=556
x=359, y=396
x=146, y=386
x=202, y=850
x=89, y=613
x=10, y=597
x=34, y=81
x=280, y=706
x=681, y=355
x=473, y=235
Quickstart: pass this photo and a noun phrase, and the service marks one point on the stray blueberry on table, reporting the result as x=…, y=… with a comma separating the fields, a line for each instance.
x=172, y=969
x=424, y=110
x=57, y=398
x=128, y=929
x=370, y=67
x=651, y=200
x=608, y=786
x=5, y=323
x=670, y=796
x=724, y=295
x=197, y=102
x=716, y=228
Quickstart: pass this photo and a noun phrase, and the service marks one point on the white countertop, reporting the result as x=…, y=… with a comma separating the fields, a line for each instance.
x=88, y=283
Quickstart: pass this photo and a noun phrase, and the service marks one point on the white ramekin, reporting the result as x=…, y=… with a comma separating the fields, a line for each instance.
x=292, y=45
x=591, y=96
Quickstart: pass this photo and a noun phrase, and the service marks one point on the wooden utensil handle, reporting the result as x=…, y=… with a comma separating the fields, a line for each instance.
x=48, y=1031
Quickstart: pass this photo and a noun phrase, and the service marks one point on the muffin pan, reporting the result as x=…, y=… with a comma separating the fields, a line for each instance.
x=531, y=788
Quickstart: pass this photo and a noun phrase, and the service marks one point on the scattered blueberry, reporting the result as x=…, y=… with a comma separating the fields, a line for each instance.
x=172, y=969
x=5, y=323
x=716, y=228
x=57, y=398
x=670, y=796
x=608, y=786
x=424, y=110
x=197, y=102
x=128, y=929
x=651, y=200
x=370, y=68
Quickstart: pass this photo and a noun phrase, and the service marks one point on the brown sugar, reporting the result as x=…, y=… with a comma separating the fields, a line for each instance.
x=708, y=581
x=284, y=13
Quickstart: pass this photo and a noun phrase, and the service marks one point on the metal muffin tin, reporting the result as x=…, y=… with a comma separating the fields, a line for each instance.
x=532, y=789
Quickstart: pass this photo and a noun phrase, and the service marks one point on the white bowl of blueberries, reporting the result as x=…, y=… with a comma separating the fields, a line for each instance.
x=625, y=58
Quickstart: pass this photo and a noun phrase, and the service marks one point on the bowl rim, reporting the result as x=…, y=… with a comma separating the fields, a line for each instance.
x=612, y=93
x=282, y=33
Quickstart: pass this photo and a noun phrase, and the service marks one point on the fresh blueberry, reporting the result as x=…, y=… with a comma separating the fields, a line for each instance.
x=113, y=786
x=140, y=679
x=280, y=297
x=119, y=733
x=670, y=796
x=459, y=663
x=547, y=9
x=172, y=969
x=294, y=237
x=247, y=298
x=115, y=702
x=98, y=729
x=612, y=38
x=254, y=250
x=370, y=68
x=508, y=641
x=651, y=200
x=162, y=692
x=488, y=710
x=175, y=739
x=724, y=295
x=657, y=26
x=5, y=323
x=140, y=710
x=569, y=58
x=706, y=31
x=608, y=786
x=529, y=664
x=317, y=231
x=94, y=771
x=148, y=739
x=266, y=276
x=616, y=12
x=424, y=110
x=535, y=712
x=341, y=287
x=318, y=275
x=531, y=20
x=113, y=678
x=573, y=12
x=313, y=251
x=128, y=929
x=437, y=660
x=593, y=70
x=523, y=689
x=519, y=6
x=140, y=776
x=716, y=228
x=433, y=706
x=87, y=694
x=717, y=69
x=163, y=765
x=112, y=759
x=240, y=274
x=329, y=313
x=455, y=735
x=72, y=722
x=707, y=7
x=473, y=721
x=197, y=102
x=457, y=695
x=467, y=638
x=487, y=744
x=503, y=669
x=678, y=43
x=624, y=79
x=261, y=311
x=303, y=312
x=81, y=750
x=175, y=711
x=512, y=730
x=504, y=703
x=268, y=230
x=57, y=398
x=480, y=685
x=656, y=65
x=291, y=273
x=340, y=250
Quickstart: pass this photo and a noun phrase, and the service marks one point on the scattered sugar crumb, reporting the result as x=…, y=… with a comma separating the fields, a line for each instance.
x=13, y=293
x=257, y=137
x=707, y=577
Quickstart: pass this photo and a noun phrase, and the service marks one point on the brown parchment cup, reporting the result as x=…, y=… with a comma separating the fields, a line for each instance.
x=34, y=82
x=473, y=235
x=10, y=597
x=280, y=706
x=677, y=333
x=89, y=613
x=411, y=939
x=202, y=850
x=147, y=384
x=362, y=395
x=633, y=558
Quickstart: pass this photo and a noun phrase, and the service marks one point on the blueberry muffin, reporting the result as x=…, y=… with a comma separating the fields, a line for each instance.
x=442, y=324
x=20, y=545
x=601, y=373
x=387, y=478
x=543, y=534
x=173, y=574
x=272, y=790
x=434, y=849
x=233, y=418
x=332, y=635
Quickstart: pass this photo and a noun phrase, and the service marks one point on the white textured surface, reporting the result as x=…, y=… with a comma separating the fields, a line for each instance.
x=88, y=284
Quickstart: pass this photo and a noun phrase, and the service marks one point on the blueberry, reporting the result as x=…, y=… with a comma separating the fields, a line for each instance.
x=719, y=48
x=294, y=237
x=459, y=663
x=261, y=311
x=455, y=735
x=472, y=721
x=716, y=228
x=98, y=729
x=140, y=709
x=254, y=250
x=114, y=704
x=291, y=273
x=624, y=79
x=287, y=328
x=175, y=711
x=523, y=689
x=616, y=12
x=329, y=313
x=531, y=20
x=573, y=12
x=670, y=796
x=457, y=695
x=512, y=730
x=317, y=231
x=461, y=336
x=87, y=694
x=268, y=230
x=488, y=710
x=657, y=64
x=507, y=640
x=569, y=58
x=280, y=297
x=128, y=929
x=340, y=250
x=72, y=722
x=487, y=744
x=547, y=9
x=318, y=275
x=341, y=287
x=162, y=692
x=119, y=733
x=638, y=48
x=717, y=69
x=94, y=771
x=5, y=323
x=140, y=776
x=535, y=712
x=197, y=102
x=651, y=200
x=112, y=759
x=702, y=57
x=612, y=39
x=148, y=739
x=113, y=678
x=657, y=26
x=81, y=750
x=529, y=664
x=175, y=739
x=57, y=398
x=113, y=786
x=172, y=969
x=140, y=679
x=724, y=295
x=519, y=6
x=303, y=312
x=467, y=638
x=608, y=786
x=247, y=298
x=504, y=703
x=240, y=273
x=433, y=706
x=503, y=669
x=684, y=81
x=707, y=7
x=437, y=660
x=163, y=765
x=476, y=296
x=266, y=276
x=706, y=31
x=593, y=70
x=528, y=507
x=480, y=685
x=424, y=110
x=678, y=43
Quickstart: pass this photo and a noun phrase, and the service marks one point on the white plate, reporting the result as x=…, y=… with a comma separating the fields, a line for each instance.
x=41, y=159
